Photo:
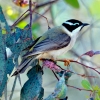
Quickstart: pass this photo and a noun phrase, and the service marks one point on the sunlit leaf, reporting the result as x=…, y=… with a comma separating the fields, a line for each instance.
x=14, y=16
x=95, y=88
x=97, y=97
x=86, y=85
x=9, y=11
x=94, y=8
x=4, y=31
x=22, y=24
x=73, y=3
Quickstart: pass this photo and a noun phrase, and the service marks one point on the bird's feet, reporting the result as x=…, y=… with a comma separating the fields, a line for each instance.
x=66, y=61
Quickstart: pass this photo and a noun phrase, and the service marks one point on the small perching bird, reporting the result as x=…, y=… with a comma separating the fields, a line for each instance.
x=53, y=43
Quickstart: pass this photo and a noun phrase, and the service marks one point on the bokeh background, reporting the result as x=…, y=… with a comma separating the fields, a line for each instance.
x=56, y=13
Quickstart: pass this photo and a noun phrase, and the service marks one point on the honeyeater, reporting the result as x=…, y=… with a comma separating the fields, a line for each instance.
x=53, y=43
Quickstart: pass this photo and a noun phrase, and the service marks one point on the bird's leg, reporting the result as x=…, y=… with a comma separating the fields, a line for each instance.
x=66, y=61
x=39, y=69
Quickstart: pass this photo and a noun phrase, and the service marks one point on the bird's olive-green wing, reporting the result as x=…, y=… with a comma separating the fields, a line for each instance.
x=51, y=40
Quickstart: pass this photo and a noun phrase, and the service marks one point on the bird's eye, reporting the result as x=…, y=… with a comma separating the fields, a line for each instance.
x=76, y=24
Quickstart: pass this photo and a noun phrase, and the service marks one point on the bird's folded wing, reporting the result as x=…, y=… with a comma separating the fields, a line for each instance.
x=49, y=44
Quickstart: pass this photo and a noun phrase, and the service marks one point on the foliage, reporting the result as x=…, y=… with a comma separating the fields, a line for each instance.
x=86, y=85
x=3, y=56
x=33, y=87
x=94, y=89
x=73, y=3
x=17, y=39
x=60, y=90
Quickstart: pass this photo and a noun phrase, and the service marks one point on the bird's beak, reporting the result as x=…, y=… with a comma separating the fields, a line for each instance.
x=85, y=24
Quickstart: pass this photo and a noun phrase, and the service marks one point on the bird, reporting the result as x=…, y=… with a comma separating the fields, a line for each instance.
x=53, y=43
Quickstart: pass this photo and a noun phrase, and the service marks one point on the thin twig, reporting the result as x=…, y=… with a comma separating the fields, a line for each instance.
x=86, y=66
x=82, y=75
x=55, y=75
x=63, y=60
x=30, y=9
x=37, y=7
x=18, y=20
x=78, y=88
x=83, y=59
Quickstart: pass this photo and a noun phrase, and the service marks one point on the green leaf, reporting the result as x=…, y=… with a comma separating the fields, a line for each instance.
x=14, y=16
x=60, y=90
x=73, y=3
x=86, y=85
x=32, y=88
x=94, y=8
x=35, y=28
x=3, y=70
x=97, y=97
x=4, y=31
x=95, y=88
x=22, y=24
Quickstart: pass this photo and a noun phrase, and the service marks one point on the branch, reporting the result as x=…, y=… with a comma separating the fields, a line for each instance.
x=78, y=88
x=82, y=75
x=37, y=7
x=64, y=60
x=85, y=66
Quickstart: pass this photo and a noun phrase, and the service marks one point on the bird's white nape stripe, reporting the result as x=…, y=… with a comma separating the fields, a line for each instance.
x=76, y=24
x=68, y=23
x=71, y=23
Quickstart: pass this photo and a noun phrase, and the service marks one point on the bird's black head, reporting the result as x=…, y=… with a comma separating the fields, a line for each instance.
x=73, y=24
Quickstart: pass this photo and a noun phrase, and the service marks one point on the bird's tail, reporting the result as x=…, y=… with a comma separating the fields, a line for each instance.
x=24, y=64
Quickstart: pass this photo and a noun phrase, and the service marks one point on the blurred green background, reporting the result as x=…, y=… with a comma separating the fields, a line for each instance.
x=56, y=13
